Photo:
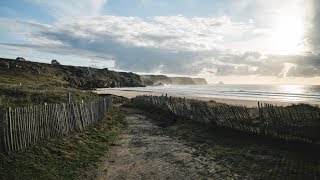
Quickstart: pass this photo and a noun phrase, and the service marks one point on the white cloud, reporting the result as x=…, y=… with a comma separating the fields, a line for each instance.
x=174, y=32
x=174, y=45
x=286, y=69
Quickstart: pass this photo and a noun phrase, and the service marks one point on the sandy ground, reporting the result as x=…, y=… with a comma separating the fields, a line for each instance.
x=131, y=94
x=144, y=151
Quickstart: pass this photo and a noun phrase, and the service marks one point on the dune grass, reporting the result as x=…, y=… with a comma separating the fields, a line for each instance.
x=15, y=78
x=245, y=155
x=25, y=95
x=249, y=156
x=64, y=157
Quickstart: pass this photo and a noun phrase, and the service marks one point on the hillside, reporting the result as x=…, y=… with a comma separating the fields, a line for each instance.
x=26, y=95
x=30, y=73
x=154, y=80
x=200, y=81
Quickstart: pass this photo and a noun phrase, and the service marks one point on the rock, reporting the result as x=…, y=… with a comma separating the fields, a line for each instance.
x=4, y=65
x=155, y=80
x=159, y=84
x=200, y=81
x=220, y=83
x=113, y=84
x=20, y=59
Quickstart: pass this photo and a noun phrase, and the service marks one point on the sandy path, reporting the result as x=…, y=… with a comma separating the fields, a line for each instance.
x=144, y=151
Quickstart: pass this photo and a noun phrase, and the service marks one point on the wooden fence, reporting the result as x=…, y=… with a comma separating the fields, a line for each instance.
x=297, y=122
x=22, y=126
x=294, y=123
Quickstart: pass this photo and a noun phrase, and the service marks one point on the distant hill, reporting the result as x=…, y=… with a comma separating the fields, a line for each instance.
x=154, y=80
x=200, y=81
x=26, y=72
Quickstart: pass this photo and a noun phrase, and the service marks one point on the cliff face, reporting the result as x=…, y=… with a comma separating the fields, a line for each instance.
x=26, y=72
x=200, y=81
x=154, y=80
x=182, y=81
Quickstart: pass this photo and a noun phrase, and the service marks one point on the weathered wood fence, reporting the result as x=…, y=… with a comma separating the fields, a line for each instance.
x=296, y=123
x=20, y=127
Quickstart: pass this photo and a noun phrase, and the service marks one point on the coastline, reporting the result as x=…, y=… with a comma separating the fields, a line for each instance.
x=248, y=103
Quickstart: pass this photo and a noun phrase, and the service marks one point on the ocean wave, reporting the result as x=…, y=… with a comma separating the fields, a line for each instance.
x=239, y=92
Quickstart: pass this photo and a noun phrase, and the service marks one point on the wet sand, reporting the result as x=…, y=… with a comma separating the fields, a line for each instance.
x=249, y=103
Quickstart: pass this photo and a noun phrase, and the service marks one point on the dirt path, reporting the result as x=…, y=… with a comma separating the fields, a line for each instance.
x=144, y=151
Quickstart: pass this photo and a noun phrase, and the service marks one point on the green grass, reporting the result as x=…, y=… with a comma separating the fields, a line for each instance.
x=63, y=157
x=16, y=78
x=249, y=156
x=17, y=96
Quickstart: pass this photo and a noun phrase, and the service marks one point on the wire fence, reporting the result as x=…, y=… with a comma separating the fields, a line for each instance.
x=20, y=127
x=293, y=123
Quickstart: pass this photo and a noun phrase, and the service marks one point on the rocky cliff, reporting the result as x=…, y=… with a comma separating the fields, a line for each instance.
x=155, y=80
x=26, y=72
x=200, y=81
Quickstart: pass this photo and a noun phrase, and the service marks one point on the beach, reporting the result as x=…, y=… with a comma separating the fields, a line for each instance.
x=133, y=93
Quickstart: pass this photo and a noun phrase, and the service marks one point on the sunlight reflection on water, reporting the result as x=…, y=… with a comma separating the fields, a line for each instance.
x=296, y=89
x=292, y=89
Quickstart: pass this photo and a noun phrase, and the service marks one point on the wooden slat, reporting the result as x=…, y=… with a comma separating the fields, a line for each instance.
x=25, y=123
x=294, y=123
x=20, y=127
x=10, y=134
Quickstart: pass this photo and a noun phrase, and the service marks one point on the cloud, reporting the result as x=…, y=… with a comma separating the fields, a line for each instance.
x=286, y=68
x=313, y=34
x=162, y=44
x=135, y=44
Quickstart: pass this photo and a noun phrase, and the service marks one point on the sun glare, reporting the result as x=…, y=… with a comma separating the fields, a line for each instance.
x=294, y=89
x=287, y=34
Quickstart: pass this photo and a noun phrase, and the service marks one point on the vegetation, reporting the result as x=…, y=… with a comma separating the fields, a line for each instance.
x=247, y=156
x=27, y=83
x=294, y=123
x=63, y=157
x=17, y=96
x=44, y=79
x=35, y=73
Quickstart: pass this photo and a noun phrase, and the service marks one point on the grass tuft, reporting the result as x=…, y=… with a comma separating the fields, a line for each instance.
x=63, y=157
x=17, y=96
x=244, y=155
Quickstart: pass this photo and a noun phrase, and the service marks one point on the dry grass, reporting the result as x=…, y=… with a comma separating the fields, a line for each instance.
x=244, y=155
x=64, y=157
x=16, y=95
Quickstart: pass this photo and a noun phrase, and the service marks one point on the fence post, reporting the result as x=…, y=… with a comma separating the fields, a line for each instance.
x=39, y=123
x=9, y=130
x=69, y=98
x=260, y=107
x=2, y=144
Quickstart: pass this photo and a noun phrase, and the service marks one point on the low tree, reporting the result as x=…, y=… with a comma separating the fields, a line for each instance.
x=55, y=62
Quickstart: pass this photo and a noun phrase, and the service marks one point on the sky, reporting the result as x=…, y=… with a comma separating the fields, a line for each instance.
x=234, y=41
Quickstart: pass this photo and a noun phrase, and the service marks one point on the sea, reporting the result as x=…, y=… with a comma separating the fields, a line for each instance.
x=280, y=93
